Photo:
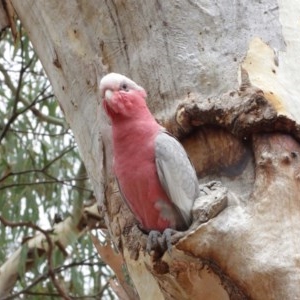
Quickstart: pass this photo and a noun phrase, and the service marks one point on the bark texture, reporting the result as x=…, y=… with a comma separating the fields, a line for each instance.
x=187, y=55
x=3, y=17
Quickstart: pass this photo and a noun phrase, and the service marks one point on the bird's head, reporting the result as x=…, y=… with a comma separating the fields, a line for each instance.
x=121, y=96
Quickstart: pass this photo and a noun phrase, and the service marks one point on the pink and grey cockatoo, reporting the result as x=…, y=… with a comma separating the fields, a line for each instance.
x=154, y=173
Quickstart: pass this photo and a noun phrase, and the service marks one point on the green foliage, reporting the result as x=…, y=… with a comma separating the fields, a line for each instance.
x=41, y=174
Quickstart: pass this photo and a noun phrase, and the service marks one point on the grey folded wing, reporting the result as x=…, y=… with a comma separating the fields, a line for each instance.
x=176, y=174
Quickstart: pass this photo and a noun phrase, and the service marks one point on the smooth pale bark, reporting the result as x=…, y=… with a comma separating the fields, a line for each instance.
x=192, y=50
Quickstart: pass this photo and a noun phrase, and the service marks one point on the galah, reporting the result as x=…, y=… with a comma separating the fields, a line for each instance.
x=155, y=176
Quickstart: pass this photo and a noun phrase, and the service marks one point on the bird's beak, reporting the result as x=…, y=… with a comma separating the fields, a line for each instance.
x=108, y=95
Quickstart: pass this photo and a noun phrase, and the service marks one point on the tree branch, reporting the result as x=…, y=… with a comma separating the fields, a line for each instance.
x=17, y=98
x=43, y=170
x=49, y=252
x=59, y=237
x=55, y=181
x=41, y=116
x=44, y=276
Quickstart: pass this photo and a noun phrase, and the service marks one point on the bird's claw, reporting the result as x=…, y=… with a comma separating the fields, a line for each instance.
x=167, y=235
x=160, y=241
x=153, y=241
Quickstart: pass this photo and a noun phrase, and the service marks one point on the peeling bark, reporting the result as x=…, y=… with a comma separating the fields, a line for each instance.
x=241, y=112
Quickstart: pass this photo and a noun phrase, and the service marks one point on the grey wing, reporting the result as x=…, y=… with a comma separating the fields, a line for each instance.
x=176, y=174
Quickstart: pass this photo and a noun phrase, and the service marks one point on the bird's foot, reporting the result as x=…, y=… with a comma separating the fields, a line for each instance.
x=162, y=241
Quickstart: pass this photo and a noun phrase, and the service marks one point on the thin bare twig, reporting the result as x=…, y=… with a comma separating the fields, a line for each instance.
x=17, y=98
x=49, y=253
x=44, y=276
x=58, y=157
x=55, y=181
x=48, y=119
x=40, y=170
x=39, y=134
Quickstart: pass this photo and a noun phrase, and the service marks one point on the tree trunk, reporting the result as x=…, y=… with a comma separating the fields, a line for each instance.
x=187, y=55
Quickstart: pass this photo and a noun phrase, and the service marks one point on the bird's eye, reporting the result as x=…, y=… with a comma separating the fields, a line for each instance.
x=124, y=86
